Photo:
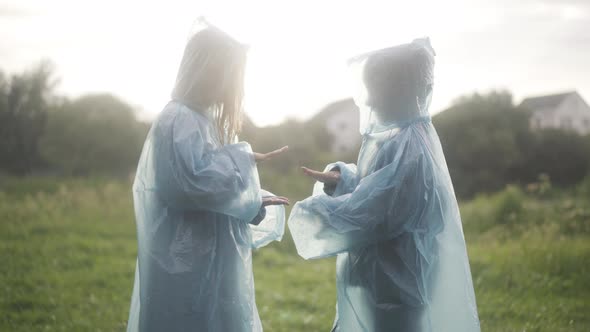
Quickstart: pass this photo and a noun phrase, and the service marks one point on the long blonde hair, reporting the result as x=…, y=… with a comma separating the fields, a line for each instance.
x=211, y=78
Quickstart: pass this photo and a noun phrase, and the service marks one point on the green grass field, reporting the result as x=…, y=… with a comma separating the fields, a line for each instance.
x=68, y=247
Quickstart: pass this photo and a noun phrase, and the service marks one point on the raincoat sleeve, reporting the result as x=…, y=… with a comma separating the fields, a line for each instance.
x=203, y=176
x=382, y=205
x=348, y=179
x=259, y=217
x=271, y=225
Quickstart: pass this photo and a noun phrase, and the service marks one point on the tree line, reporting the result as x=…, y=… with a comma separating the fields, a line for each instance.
x=489, y=143
x=42, y=132
x=487, y=139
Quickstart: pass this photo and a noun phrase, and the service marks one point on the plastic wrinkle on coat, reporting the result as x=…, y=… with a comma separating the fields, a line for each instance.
x=194, y=198
x=393, y=219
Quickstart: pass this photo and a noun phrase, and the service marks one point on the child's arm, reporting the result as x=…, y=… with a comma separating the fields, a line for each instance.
x=337, y=178
x=271, y=225
x=192, y=173
x=383, y=205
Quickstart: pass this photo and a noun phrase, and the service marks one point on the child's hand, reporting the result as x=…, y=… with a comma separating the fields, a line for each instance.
x=329, y=178
x=265, y=156
x=274, y=200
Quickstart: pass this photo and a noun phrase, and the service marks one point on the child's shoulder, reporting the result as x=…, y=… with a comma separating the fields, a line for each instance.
x=403, y=144
x=178, y=121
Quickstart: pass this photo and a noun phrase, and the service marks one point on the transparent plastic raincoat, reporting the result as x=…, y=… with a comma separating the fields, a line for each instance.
x=392, y=219
x=198, y=209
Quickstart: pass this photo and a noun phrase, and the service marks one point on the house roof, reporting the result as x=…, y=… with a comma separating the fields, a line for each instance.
x=334, y=108
x=545, y=102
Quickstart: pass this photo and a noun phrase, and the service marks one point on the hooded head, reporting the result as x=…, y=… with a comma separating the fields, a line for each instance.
x=394, y=84
x=211, y=78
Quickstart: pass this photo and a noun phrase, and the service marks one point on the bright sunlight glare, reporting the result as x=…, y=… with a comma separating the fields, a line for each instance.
x=298, y=50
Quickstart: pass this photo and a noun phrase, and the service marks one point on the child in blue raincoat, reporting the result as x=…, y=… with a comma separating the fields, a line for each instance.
x=392, y=219
x=198, y=203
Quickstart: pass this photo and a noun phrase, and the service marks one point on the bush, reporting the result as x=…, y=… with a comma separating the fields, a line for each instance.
x=483, y=137
x=512, y=212
x=95, y=134
x=583, y=187
x=488, y=145
x=563, y=156
x=509, y=205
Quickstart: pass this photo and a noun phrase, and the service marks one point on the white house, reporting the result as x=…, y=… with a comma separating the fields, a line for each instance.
x=566, y=111
x=341, y=120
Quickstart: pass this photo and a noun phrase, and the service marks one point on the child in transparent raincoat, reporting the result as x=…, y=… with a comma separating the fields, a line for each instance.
x=392, y=220
x=198, y=204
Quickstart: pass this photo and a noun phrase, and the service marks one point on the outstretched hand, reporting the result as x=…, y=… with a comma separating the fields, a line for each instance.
x=329, y=178
x=266, y=156
x=274, y=200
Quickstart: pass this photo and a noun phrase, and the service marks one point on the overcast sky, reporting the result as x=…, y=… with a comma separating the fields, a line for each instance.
x=298, y=48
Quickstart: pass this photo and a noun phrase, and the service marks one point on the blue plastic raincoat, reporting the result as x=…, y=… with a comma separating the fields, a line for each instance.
x=194, y=200
x=392, y=219
x=198, y=213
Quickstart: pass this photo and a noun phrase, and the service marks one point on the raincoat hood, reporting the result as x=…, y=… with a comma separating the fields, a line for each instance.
x=393, y=86
x=210, y=59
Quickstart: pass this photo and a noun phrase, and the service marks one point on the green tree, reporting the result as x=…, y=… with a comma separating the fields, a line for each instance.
x=485, y=139
x=24, y=100
x=488, y=144
x=94, y=134
x=563, y=155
